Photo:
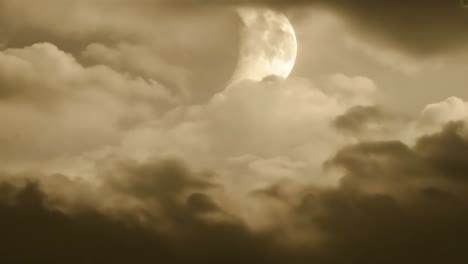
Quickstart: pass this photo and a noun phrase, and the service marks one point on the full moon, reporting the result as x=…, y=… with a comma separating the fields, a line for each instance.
x=268, y=45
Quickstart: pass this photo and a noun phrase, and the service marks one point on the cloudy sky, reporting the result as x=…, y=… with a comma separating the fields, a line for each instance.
x=124, y=139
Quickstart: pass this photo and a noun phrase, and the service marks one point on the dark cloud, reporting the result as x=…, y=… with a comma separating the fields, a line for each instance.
x=420, y=28
x=357, y=118
x=396, y=204
x=436, y=161
x=33, y=232
x=370, y=123
x=158, y=179
x=446, y=152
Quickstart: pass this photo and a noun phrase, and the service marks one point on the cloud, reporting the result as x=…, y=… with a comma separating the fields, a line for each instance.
x=288, y=138
x=177, y=42
x=420, y=30
x=272, y=120
x=394, y=203
x=139, y=61
x=368, y=123
x=451, y=109
x=91, y=236
x=49, y=100
x=119, y=139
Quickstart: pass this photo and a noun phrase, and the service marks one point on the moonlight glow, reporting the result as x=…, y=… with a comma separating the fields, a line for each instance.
x=268, y=45
x=176, y=131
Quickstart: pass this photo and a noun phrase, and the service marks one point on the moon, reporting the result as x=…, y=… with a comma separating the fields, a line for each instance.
x=268, y=45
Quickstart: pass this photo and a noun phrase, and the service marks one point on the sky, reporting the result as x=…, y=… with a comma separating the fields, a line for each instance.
x=123, y=140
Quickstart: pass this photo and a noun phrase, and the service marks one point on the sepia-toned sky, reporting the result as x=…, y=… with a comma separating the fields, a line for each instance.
x=122, y=139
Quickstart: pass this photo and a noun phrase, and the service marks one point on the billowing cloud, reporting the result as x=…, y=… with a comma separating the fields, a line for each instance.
x=394, y=203
x=451, y=109
x=49, y=101
x=178, y=42
x=120, y=142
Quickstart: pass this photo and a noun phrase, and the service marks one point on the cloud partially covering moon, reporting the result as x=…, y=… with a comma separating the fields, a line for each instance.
x=118, y=146
x=268, y=45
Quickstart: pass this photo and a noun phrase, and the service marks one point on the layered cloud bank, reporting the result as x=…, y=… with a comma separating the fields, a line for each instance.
x=119, y=143
x=395, y=203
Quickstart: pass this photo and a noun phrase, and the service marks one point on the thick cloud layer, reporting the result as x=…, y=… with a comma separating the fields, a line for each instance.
x=120, y=142
x=395, y=204
x=421, y=29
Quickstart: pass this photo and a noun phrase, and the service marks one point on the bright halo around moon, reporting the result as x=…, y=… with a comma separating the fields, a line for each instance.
x=268, y=45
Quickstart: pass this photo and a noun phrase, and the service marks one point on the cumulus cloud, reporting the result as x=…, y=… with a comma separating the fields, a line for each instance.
x=177, y=42
x=451, y=109
x=393, y=204
x=120, y=138
x=251, y=134
x=49, y=101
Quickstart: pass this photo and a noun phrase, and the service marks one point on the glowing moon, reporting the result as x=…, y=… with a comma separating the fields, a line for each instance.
x=268, y=45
